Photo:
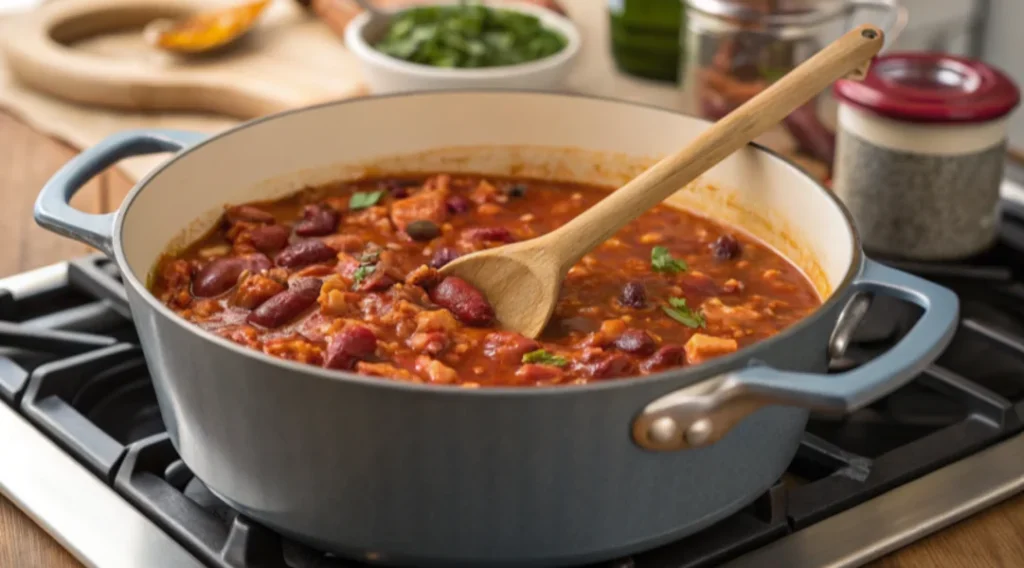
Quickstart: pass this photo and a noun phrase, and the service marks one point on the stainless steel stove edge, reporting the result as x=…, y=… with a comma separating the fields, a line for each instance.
x=98, y=526
x=901, y=516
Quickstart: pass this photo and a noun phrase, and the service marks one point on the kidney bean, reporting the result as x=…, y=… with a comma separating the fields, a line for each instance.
x=633, y=295
x=248, y=213
x=398, y=189
x=457, y=204
x=269, y=238
x=516, y=190
x=666, y=357
x=286, y=306
x=350, y=345
x=422, y=230
x=508, y=347
x=493, y=234
x=317, y=220
x=635, y=342
x=725, y=247
x=617, y=365
x=463, y=300
x=221, y=275
x=443, y=256
x=302, y=253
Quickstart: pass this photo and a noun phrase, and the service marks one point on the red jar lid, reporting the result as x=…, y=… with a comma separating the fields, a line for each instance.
x=931, y=87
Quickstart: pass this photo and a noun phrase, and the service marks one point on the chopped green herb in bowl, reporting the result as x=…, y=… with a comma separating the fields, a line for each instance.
x=465, y=45
x=469, y=36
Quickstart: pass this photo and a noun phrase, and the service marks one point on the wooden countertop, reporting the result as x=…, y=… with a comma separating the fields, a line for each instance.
x=994, y=538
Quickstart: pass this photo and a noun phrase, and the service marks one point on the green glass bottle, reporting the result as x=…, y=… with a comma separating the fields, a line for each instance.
x=645, y=37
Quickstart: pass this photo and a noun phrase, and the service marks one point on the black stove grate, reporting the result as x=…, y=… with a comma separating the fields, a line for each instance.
x=69, y=363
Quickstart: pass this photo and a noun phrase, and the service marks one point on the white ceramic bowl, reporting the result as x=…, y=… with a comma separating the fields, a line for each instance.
x=386, y=74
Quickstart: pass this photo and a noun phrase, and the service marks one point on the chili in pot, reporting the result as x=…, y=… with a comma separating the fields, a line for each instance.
x=345, y=276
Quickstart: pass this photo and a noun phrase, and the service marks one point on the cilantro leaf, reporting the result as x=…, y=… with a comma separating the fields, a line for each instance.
x=542, y=357
x=662, y=261
x=361, y=273
x=364, y=199
x=679, y=311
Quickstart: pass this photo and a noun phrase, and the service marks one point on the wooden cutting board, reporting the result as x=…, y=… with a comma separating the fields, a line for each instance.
x=91, y=52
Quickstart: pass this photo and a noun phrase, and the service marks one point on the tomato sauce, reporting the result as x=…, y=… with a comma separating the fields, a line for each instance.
x=345, y=276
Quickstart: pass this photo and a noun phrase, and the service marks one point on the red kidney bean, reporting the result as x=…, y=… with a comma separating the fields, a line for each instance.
x=248, y=213
x=350, y=345
x=221, y=275
x=725, y=247
x=493, y=234
x=269, y=238
x=666, y=357
x=457, y=204
x=395, y=188
x=617, y=365
x=443, y=256
x=635, y=342
x=302, y=253
x=286, y=306
x=378, y=281
x=633, y=294
x=508, y=346
x=317, y=220
x=463, y=300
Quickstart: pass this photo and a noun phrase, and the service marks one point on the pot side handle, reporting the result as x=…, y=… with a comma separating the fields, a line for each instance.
x=701, y=414
x=53, y=210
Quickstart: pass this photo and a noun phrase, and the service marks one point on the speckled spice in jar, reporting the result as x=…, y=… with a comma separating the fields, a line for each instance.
x=920, y=152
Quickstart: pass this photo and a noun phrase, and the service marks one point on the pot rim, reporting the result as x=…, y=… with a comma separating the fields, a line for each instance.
x=696, y=372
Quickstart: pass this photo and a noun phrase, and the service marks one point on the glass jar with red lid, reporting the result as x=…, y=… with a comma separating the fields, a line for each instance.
x=920, y=150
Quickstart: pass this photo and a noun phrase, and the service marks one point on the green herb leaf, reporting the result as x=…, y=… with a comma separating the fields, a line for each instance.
x=542, y=357
x=679, y=311
x=361, y=273
x=662, y=261
x=364, y=199
x=468, y=35
x=370, y=257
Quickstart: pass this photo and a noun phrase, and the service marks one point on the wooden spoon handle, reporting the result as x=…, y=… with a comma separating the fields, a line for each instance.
x=847, y=56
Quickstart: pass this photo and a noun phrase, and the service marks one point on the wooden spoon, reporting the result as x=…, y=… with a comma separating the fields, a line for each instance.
x=205, y=31
x=522, y=280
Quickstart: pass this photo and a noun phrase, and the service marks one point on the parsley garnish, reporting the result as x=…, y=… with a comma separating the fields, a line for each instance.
x=370, y=257
x=361, y=273
x=544, y=358
x=662, y=261
x=367, y=265
x=679, y=311
x=364, y=199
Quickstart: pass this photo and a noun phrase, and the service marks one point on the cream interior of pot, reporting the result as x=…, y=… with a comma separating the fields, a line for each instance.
x=522, y=134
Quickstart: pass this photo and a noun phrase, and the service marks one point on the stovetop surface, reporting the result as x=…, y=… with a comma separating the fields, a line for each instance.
x=70, y=364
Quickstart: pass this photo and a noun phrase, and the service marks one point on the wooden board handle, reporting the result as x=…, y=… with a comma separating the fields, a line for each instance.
x=37, y=53
x=850, y=56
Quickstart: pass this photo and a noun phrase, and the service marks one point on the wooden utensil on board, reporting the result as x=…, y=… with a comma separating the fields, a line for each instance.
x=522, y=280
x=205, y=31
x=241, y=82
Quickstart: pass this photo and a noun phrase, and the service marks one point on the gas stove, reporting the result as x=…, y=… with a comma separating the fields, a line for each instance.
x=84, y=452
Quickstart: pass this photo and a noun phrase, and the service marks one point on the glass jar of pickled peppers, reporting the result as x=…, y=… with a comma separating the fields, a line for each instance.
x=645, y=38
